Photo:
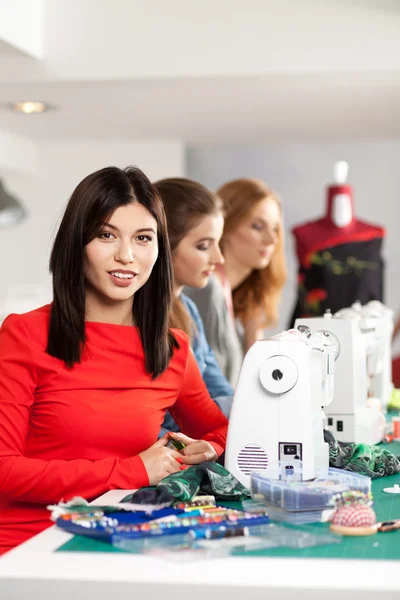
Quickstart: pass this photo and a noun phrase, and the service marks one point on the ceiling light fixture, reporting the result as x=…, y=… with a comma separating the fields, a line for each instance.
x=30, y=108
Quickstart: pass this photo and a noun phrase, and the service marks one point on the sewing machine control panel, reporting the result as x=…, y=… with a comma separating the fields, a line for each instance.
x=289, y=451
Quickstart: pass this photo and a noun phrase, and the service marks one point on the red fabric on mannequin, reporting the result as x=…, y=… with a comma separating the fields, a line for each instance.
x=396, y=371
x=323, y=233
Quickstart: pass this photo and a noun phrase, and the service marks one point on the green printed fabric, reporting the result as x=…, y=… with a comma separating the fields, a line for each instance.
x=211, y=478
x=374, y=461
x=208, y=478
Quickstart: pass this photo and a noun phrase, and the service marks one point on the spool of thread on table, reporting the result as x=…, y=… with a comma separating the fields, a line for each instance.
x=217, y=533
x=396, y=428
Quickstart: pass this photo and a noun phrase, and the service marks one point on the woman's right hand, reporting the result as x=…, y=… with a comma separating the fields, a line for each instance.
x=160, y=461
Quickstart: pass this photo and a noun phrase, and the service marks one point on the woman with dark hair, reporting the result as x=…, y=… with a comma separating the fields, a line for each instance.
x=195, y=222
x=246, y=290
x=85, y=382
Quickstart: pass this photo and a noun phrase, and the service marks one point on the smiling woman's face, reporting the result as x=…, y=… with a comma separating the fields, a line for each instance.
x=119, y=260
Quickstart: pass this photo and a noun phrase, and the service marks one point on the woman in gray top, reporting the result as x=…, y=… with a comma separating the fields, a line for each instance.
x=244, y=292
x=219, y=326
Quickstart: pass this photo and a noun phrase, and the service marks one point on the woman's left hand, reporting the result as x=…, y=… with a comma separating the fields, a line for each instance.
x=196, y=451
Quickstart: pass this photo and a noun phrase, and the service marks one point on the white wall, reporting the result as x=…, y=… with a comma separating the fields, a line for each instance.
x=25, y=248
x=22, y=25
x=17, y=154
x=299, y=172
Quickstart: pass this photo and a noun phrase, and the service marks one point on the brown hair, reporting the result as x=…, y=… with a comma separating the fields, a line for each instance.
x=186, y=202
x=261, y=290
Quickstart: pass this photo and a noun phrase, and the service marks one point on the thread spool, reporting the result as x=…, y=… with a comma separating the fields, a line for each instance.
x=396, y=428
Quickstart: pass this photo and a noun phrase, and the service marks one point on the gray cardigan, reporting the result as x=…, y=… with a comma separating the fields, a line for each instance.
x=219, y=327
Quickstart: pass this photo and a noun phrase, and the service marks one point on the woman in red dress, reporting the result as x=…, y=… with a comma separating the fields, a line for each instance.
x=85, y=381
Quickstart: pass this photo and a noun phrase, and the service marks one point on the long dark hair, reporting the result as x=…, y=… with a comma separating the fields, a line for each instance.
x=186, y=202
x=89, y=207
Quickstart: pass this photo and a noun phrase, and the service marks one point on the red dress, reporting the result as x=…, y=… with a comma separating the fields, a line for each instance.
x=78, y=432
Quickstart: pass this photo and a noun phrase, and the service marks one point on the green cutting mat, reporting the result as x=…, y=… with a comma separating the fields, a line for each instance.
x=379, y=546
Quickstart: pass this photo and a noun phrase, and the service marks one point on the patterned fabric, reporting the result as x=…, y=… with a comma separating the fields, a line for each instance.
x=208, y=478
x=373, y=461
x=212, y=479
x=336, y=277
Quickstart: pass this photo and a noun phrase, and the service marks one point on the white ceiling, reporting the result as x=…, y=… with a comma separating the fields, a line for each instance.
x=219, y=109
x=212, y=110
x=388, y=5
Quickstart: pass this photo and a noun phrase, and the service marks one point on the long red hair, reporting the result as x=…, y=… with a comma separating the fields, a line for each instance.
x=259, y=294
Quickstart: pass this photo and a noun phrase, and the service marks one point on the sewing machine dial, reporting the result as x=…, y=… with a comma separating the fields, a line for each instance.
x=334, y=339
x=279, y=374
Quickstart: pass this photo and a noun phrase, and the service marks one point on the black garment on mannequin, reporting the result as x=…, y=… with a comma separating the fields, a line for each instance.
x=337, y=277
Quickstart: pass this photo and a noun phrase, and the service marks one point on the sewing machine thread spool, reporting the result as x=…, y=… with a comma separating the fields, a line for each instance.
x=396, y=428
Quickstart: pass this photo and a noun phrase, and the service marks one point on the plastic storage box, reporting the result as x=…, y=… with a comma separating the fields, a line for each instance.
x=312, y=495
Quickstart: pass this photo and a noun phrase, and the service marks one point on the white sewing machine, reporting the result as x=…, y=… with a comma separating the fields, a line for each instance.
x=276, y=423
x=355, y=335
x=381, y=384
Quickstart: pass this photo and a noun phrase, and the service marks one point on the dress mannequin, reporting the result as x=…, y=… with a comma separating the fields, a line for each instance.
x=339, y=256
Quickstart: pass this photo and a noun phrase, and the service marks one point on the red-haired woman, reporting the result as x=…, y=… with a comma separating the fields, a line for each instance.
x=245, y=291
